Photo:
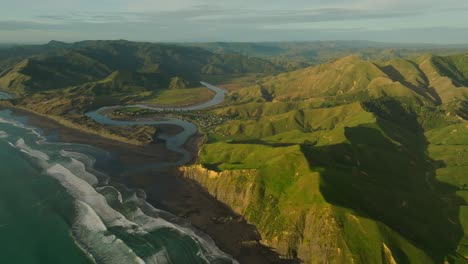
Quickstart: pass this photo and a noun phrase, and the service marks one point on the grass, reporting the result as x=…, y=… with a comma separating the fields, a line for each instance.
x=176, y=97
x=449, y=145
x=310, y=124
x=455, y=67
x=368, y=160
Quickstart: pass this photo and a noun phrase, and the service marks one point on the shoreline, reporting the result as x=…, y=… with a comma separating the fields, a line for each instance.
x=166, y=190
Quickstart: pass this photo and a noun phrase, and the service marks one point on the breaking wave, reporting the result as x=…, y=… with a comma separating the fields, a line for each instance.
x=112, y=223
x=3, y=134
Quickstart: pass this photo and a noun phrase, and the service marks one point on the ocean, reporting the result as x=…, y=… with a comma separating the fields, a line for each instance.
x=57, y=207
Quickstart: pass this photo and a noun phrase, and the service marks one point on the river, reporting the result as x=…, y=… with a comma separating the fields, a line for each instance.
x=57, y=207
x=173, y=142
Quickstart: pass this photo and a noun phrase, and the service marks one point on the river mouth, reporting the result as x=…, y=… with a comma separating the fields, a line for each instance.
x=109, y=222
x=165, y=190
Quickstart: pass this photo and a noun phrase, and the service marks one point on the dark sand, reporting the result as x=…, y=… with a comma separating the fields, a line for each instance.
x=168, y=191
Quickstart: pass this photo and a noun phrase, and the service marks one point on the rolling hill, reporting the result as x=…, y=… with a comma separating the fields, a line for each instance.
x=352, y=78
x=300, y=54
x=151, y=65
x=352, y=161
x=65, y=80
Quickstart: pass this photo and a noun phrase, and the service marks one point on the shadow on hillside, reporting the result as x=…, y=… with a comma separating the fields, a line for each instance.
x=451, y=70
x=423, y=89
x=261, y=142
x=390, y=182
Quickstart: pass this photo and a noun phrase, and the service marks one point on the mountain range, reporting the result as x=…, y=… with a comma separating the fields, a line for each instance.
x=349, y=161
x=358, y=159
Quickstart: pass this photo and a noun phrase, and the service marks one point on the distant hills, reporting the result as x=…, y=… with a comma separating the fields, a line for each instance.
x=297, y=54
x=219, y=58
x=434, y=79
x=60, y=65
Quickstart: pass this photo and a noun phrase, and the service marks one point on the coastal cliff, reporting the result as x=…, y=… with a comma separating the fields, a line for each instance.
x=312, y=235
x=319, y=233
x=234, y=188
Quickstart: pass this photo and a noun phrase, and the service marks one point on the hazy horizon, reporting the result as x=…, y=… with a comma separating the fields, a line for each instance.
x=395, y=21
x=387, y=44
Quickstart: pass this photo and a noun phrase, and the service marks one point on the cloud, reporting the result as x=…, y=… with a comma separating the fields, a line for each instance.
x=246, y=20
x=207, y=15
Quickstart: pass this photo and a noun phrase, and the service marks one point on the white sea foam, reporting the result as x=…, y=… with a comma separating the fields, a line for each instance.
x=3, y=134
x=86, y=167
x=31, y=152
x=210, y=250
x=132, y=198
x=88, y=161
x=162, y=257
x=81, y=190
x=149, y=223
x=79, y=170
x=151, y=219
x=90, y=231
x=86, y=216
x=118, y=194
x=95, y=215
x=16, y=123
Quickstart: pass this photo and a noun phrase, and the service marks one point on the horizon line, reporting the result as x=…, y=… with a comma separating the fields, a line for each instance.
x=233, y=41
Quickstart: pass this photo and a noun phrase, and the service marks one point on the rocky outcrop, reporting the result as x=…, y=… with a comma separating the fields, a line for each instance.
x=234, y=188
x=312, y=235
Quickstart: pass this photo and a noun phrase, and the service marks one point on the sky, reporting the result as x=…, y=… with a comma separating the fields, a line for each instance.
x=404, y=21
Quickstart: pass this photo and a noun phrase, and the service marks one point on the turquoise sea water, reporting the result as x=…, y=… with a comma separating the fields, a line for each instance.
x=55, y=207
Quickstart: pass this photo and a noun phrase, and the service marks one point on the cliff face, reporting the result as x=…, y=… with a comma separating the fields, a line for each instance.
x=312, y=235
x=234, y=188
x=320, y=233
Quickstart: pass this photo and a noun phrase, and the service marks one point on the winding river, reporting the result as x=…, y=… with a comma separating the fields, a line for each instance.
x=109, y=223
x=173, y=142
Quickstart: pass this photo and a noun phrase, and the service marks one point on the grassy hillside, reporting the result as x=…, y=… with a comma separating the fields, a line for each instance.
x=454, y=67
x=352, y=79
x=64, y=80
x=149, y=65
x=355, y=161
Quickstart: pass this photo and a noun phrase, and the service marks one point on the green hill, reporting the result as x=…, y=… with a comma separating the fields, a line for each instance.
x=152, y=65
x=454, y=67
x=351, y=79
x=300, y=54
x=65, y=80
x=348, y=162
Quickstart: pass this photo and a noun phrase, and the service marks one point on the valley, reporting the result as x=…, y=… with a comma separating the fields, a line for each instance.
x=354, y=160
